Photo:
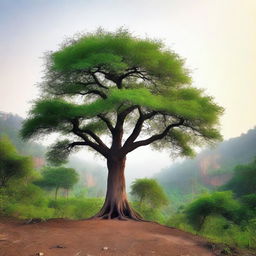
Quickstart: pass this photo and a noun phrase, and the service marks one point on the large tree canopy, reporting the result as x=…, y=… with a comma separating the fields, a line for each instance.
x=133, y=90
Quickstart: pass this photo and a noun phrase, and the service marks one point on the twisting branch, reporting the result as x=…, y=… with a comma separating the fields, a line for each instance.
x=135, y=72
x=107, y=122
x=95, y=137
x=122, y=115
x=152, y=138
x=76, y=143
x=137, y=129
x=97, y=92
x=97, y=81
x=99, y=148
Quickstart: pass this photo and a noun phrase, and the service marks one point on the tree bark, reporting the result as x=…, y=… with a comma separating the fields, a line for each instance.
x=116, y=204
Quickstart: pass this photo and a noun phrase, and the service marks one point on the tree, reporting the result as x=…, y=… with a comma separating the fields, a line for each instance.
x=12, y=164
x=132, y=90
x=243, y=181
x=150, y=192
x=58, y=177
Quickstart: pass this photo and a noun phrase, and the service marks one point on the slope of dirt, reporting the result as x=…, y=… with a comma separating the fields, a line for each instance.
x=97, y=238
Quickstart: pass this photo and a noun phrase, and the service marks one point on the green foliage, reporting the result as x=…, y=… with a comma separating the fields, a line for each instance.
x=76, y=208
x=58, y=153
x=12, y=164
x=250, y=201
x=149, y=192
x=24, y=211
x=30, y=201
x=117, y=52
x=221, y=230
x=149, y=213
x=244, y=180
x=58, y=177
x=218, y=228
x=218, y=203
x=180, y=221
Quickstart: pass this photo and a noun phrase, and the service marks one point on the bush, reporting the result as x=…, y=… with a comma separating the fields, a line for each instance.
x=221, y=230
x=218, y=203
x=148, y=191
x=249, y=201
x=24, y=211
x=76, y=208
x=180, y=221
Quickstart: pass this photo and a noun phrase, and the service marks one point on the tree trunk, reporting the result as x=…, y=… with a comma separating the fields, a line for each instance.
x=56, y=192
x=116, y=205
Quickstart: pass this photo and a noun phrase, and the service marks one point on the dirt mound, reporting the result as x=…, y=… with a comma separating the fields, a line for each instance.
x=97, y=238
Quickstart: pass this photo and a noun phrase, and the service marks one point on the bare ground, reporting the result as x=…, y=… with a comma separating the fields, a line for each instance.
x=97, y=238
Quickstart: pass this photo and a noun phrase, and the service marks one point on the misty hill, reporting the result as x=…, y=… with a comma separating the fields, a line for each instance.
x=92, y=175
x=10, y=125
x=211, y=168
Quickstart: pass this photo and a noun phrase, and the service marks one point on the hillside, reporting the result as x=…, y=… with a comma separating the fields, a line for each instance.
x=211, y=168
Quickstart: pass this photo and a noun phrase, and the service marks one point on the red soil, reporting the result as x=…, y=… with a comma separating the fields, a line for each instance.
x=97, y=238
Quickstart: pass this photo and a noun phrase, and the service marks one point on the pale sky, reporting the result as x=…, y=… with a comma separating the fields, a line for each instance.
x=216, y=37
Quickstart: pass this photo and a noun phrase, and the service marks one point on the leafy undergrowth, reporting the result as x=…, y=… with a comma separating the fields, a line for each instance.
x=220, y=218
x=28, y=202
x=220, y=249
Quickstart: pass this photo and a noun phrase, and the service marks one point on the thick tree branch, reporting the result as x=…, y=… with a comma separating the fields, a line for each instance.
x=152, y=138
x=123, y=114
x=96, y=92
x=76, y=143
x=96, y=138
x=97, y=81
x=118, y=130
x=99, y=148
x=107, y=122
x=137, y=129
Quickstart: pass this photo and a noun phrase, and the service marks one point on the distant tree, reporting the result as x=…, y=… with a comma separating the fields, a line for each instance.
x=58, y=177
x=244, y=180
x=116, y=84
x=12, y=164
x=150, y=192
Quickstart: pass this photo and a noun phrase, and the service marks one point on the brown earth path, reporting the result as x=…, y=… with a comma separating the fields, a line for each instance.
x=97, y=238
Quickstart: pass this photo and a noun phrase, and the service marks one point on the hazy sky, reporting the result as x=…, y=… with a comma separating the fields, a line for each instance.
x=216, y=37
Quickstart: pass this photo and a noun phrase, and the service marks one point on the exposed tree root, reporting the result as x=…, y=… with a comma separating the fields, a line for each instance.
x=120, y=211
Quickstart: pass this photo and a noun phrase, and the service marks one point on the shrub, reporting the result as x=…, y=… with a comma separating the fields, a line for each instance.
x=76, y=208
x=149, y=213
x=148, y=191
x=218, y=203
